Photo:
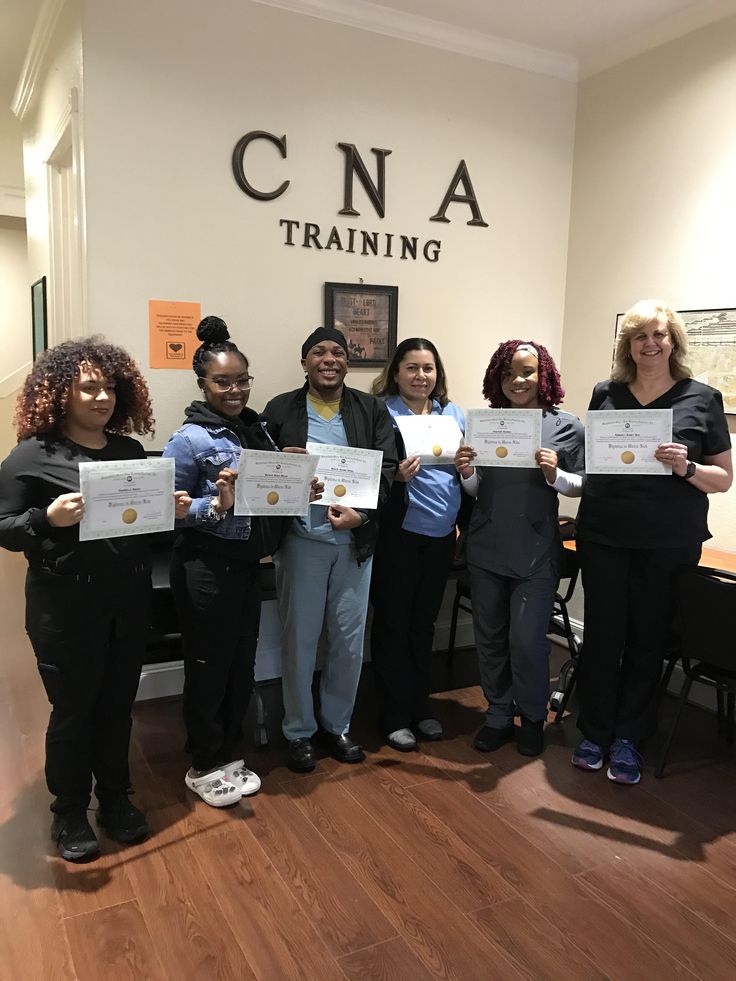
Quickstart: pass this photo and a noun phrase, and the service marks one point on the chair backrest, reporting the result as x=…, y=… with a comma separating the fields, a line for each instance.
x=706, y=608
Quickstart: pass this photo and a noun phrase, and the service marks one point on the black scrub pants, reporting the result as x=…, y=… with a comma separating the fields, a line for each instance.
x=219, y=604
x=628, y=613
x=89, y=638
x=409, y=576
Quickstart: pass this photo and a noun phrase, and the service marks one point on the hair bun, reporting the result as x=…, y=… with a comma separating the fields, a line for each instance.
x=212, y=330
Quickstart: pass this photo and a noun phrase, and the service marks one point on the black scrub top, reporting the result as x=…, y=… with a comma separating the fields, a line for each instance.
x=646, y=511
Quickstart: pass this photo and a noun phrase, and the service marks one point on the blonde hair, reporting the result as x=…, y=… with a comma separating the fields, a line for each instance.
x=641, y=315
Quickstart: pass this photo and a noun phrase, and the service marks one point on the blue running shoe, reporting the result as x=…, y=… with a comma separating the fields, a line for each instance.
x=588, y=756
x=624, y=765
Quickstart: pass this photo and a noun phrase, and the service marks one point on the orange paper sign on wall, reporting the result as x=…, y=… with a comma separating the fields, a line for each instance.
x=173, y=333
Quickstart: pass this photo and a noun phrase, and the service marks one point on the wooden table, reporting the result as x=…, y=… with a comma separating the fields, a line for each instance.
x=714, y=557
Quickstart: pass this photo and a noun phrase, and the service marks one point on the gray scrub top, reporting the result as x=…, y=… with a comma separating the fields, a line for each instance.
x=514, y=527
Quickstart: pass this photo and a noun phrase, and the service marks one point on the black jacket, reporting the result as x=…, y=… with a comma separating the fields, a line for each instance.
x=367, y=425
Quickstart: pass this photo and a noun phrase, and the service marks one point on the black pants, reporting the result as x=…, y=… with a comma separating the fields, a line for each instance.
x=219, y=606
x=409, y=577
x=89, y=639
x=628, y=621
x=511, y=621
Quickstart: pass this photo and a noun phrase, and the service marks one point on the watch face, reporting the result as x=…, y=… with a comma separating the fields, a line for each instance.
x=689, y=470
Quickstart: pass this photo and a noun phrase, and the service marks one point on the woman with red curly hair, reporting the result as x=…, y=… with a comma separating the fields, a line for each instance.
x=514, y=547
x=87, y=602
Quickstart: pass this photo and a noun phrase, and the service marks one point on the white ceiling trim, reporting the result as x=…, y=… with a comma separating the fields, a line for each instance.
x=435, y=33
x=43, y=31
x=672, y=27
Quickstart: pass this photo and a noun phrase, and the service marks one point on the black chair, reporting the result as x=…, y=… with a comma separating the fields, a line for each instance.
x=560, y=626
x=706, y=603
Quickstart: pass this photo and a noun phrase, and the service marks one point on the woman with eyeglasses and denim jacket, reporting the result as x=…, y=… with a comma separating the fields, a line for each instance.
x=215, y=567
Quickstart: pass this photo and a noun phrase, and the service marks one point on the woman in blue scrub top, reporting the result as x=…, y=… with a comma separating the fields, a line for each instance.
x=416, y=542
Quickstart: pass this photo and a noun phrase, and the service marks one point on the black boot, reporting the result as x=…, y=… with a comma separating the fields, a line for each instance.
x=74, y=836
x=488, y=739
x=123, y=821
x=530, y=738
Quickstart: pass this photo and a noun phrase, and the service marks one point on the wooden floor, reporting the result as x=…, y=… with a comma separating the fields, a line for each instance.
x=439, y=864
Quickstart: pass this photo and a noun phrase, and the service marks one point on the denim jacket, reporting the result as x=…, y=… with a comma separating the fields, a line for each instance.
x=201, y=448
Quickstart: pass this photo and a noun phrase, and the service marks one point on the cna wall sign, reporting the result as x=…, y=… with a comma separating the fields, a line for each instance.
x=345, y=238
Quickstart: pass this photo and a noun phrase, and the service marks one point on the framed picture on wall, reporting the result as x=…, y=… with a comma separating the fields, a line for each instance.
x=39, y=323
x=367, y=316
x=711, y=336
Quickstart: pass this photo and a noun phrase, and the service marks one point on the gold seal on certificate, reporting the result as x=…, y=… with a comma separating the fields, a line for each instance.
x=351, y=475
x=273, y=483
x=504, y=437
x=126, y=497
x=433, y=438
x=625, y=440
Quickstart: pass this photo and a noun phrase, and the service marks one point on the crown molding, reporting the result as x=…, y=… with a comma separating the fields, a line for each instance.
x=43, y=31
x=675, y=26
x=434, y=33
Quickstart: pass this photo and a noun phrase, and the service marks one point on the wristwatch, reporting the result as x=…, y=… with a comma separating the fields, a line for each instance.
x=213, y=514
x=689, y=470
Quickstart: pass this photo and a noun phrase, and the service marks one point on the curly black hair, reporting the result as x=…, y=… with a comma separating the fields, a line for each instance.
x=42, y=401
x=215, y=338
x=549, y=392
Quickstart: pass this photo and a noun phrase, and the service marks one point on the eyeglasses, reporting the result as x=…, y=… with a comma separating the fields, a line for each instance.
x=243, y=384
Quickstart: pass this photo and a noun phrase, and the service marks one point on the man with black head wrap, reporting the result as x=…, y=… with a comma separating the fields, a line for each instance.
x=323, y=567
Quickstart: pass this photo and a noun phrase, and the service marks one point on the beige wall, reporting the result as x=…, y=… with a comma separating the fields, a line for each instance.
x=653, y=205
x=164, y=108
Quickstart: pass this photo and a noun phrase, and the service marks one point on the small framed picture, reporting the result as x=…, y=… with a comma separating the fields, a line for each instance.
x=367, y=316
x=39, y=323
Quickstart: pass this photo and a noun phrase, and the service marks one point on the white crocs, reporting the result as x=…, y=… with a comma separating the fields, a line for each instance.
x=214, y=788
x=245, y=780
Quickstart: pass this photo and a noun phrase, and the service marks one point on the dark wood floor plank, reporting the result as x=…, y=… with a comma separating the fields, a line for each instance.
x=346, y=919
x=554, y=893
x=183, y=915
x=277, y=937
x=702, y=948
x=540, y=949
x=427, y=840
x=113, y=943
x=693, y=885
x=448, y=945
x=391, y=960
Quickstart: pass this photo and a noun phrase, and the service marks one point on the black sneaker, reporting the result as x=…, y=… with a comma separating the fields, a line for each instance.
x=74, y=835
x=122, y=821
x=530, y=738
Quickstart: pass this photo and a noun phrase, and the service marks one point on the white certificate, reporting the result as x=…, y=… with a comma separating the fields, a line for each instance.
x=273, y=483
x=351, y=475
x=624, y=440
x=504, y=437
x=434, y=439
x=126, y=497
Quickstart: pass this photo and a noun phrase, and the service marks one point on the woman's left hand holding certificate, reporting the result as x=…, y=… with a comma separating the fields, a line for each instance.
x=126, y=497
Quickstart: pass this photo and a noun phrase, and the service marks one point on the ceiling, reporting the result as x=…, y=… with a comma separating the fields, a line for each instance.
x=571, y=38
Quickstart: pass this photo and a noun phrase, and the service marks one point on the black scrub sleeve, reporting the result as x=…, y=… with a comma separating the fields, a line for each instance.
x=22, y=521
